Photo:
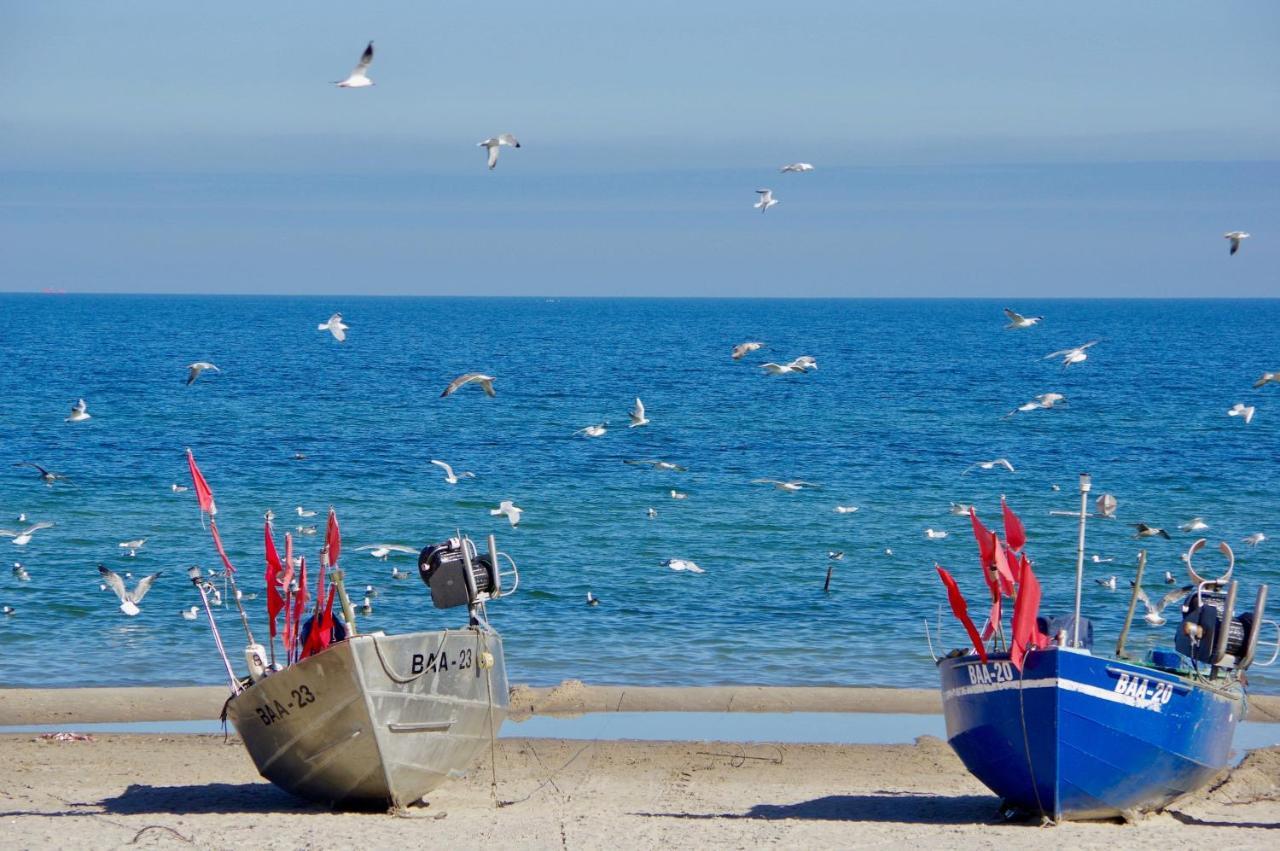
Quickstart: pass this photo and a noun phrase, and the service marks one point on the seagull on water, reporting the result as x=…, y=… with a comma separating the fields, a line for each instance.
x=1235, y=236
x=960, y=509
x=1195, y=524
x=366, y=606
x=766, y=200
x=79, y=412
x=682, y=564
x=1108, y=583
x=657, y=464
x=1153, y=615
x=194, y=370
x=305, y=530
x=1240, y=409
x=189, y=614
x=743, y=349
x=1145, y=531
x=21, y=572
x=796, y=168
x=8, y=610
x=397, y=573
x=1070, y=356
x=789, y=486
x=22, y=537
x=510, y=509
x=935, y=534
x=1254, y=539
x=989, y=465
x=496, y=142
x=359, y=77
x=592, y=600
x=636, y=414
x=335, y=326
x=675, y=494
x=449, y=476
x=1044, y=400
x=835, y=555
x=46, y=476
x=129, y=600
x=846, y=509
x=382, y=551
x=177, y=488
x=596, y=430
x=1266, y=378
x=304, y=512
x=1017, y=320
x=1097, y=559
x=132, y=546
x=485, y=382
x=652, y=514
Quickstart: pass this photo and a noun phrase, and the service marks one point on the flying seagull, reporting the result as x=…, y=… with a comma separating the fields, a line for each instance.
x=1070, y=356
x=382, y=551
x=485, y=381
x=796, y=168
x=780, y=368
x=682, y=564
x=743, y=349
x=1145, y=531
x=494, y=143
x=133, y=546
x=451, y=477
x=1097, y=559
x=79, y=412
x=1017, y=320
x=1266, y=378
x=637, y=415
x=1044, y=400
x=335, y=327
x=1195, y=524
x=359, y=78
x=1254, y=539
x=595, y=430
x=960, y=509
x=990, y=465
x=1108, y=583
x=510, y=509
x=790, y=486
x=22, y=537
x=46, y=476
x=657, y=464
x=1106, y=505
x=194, y=370
x=1240, y=409
x=129, y=600
x=1153, y=615
x=846, y=509
x=1235, y=236
x=804, y=363
x=766, y=199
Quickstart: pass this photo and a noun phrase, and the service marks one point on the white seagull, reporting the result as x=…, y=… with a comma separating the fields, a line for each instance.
x=129, y=600
x=1235, y=236
x=132, y=546
x=1017, y=320
x=449, y=476
x=652, y=513
x=846, y=509
x=485, y=382
x=596, y=430
x=1240, y=409
x=743, y=349
x=194, y=370
x=960, y=509
x=397, y=573
x=935, y=534
x=766, y=199
x=493, y=144
x=592, y=600
x=1070, y=356
x=1254, y=539
x=79, y=412
x=804, y=363
x=177, y=488
x=382, y=551
x=359, y=78
x=304, y=512
x=1266, y=378
x=675, y=494
x=789, y=486
x=990, y=465
x=9, y=610
x=780, y=368
x=335, y=327
x=366, y=607
x=510, y=509
x=1195, y=524
x=1097, y=559
x=22, y=537
x=657, y=464
x=796, y=168
x=189, y=614
x=637, y=414
x=1153, y=615
x=1108, y=583
x=682, y=564
x=1106, y=505
x=1044, y=400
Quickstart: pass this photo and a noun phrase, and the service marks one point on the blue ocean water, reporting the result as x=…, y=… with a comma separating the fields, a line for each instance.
x=907, y=395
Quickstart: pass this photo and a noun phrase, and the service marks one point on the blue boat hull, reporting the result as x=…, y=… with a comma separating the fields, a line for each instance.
x=1076, y=736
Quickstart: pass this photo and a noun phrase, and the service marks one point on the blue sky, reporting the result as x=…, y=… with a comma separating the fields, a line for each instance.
x=983, y=149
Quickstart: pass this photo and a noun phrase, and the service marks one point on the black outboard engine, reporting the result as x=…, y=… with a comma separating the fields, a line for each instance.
x=1210, y=632
x=458, y=575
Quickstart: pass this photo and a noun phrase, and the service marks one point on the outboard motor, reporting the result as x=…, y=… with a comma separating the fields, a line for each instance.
x=458, y=575
x=1210, y=632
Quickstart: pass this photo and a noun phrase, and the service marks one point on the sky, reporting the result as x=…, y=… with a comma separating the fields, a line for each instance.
x=975, y=149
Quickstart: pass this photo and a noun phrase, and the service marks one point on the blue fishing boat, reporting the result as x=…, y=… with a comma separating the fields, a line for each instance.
x=1062, y=733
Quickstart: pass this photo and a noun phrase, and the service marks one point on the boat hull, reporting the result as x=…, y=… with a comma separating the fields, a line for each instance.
x=1076, y=736
x=377, y=720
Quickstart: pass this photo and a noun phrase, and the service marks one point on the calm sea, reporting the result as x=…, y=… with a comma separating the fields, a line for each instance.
x=907, y=395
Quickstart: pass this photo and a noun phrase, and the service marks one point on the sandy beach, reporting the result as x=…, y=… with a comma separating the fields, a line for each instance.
x=203, y=791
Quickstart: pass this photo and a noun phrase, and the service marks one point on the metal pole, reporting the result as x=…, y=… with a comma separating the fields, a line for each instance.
x=197, y=579
x=1133, y=604
x=1084, y=513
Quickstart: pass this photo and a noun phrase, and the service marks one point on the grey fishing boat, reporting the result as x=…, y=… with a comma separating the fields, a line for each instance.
x=380, y=720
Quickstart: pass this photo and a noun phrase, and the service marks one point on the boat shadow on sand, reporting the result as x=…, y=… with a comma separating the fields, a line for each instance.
x=902, y=808
x=205, y=798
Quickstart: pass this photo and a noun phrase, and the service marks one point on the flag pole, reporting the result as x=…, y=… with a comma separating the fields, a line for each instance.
x=1085, y=485
x=1133, y=605
x=198, y=580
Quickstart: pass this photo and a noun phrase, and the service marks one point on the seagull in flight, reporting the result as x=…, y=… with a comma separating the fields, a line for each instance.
x=766, y=200
x=1240, y=409
x=596, y=430
x=496, y=142
x=835, y=555
x=743, y=349
x=1254, y=539
x=1108, y=583
x=79, y=412
x=682, y=564
x=1195, y=524
x=1145, y=531
x=657, y=464
x=133, y=546
x=335, y=327
x=194, y=370
x=485, y=382
x=382, y=551
x=129, y=600
x=789, y=486
x=846, y=509
x=960, y=509
x=805, y=363
x=1106, y=505
x=796, y=168
x=990, y=465
x=1153, y=615
x=1235, y=236
x=359, y=77
x=1267, y=377
x=1070, y=356
x=1044, y=400
x=780, y=368
x=510, y=509
x=46, y=476
x=1017, y=320
x=22, y=537
x=637, y=416
x=449, y=476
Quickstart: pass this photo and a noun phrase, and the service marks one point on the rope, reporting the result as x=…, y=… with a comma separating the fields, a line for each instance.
x=396, y=678
x=1026, y=740
x=482, y=639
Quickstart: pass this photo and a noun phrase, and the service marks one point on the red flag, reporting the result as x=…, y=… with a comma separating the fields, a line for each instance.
x=286, y=582
x=986, y=541
x=274, y=601
x=299, y=604
x=321, y=634
x=202, y=487
x=1025, y=609
x=993, y=619
x=1014, y=533
x=217, y=542
x=1003, y=571
x=332, y=539
x=961, y=610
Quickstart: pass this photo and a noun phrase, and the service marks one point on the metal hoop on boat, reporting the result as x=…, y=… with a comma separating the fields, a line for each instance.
x=1225, y=549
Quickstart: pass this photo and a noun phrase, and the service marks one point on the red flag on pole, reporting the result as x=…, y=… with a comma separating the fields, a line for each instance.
x=1003, y=570
x=986, y=542
x=1025, y=608
x=333, y=539
x=217, y=542
x=299, y=604
x=202, y=487
x=274, y=601
x=1014, y=533
x=960, y=609
x=993, y=619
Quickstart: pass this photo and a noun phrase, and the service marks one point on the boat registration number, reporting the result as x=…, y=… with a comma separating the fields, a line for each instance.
x=1143, y=688
x=991, y=672
x=272, y=711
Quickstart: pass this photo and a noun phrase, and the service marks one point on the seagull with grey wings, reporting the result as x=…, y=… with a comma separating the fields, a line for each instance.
x=485, y=382
x=496, y=142
x=449, y=476
x=194, y=370
x=46, y=476
x=796, y=168
x=359, y=76
x=1017, y=320
x=1073, y=355
x=129, y=600
x=22, y=537
x=766, y=200
x=989, y=465
x=334, y=326
x=1235, y=236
